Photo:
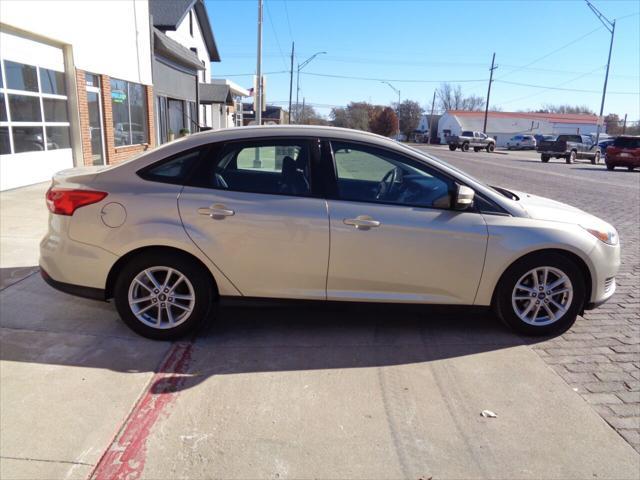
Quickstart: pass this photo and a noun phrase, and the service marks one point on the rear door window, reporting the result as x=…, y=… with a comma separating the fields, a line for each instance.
x=627, y=142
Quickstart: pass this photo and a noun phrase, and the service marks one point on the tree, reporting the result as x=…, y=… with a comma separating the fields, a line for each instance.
x=307, y=115
x=339, y=117
x=613, y=125
x=410, y=113
x=355, y=115
x=575, y=109
x=383, y=121
x=450, y=97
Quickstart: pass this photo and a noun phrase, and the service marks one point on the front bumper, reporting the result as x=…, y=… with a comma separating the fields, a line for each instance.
x=605, y=265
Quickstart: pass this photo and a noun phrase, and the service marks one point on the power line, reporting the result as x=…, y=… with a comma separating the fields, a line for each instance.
x=286, y=11
x=547, y=87
x=348, y=77
x=249, y=74
x=555, y=86
x=275, y=34
x=551, y=53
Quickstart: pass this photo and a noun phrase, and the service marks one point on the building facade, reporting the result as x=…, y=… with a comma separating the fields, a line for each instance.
x=68, y=96
x=504, y=125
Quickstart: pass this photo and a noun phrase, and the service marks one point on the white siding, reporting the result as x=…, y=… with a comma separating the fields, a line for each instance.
x=107, y=37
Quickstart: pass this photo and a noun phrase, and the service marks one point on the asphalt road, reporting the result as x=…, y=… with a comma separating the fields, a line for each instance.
x=330, y=392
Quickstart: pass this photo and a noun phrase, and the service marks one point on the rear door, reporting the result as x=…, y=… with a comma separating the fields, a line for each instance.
x=393, y=235
x=253, y=210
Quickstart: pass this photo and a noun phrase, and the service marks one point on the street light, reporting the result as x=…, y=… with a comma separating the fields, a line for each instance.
x=300, y=67
x=611, y=27
x=398, y=92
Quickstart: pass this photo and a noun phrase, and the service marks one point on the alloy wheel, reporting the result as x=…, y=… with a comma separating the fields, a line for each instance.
x=161, y=297
x=542, y=296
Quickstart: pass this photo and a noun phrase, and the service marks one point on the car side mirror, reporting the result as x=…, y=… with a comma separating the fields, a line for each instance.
x=463, y=198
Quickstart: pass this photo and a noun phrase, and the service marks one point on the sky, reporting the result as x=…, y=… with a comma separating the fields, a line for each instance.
x=416, y=45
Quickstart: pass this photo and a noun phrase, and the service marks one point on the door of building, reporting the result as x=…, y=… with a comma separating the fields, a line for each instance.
x=96, y=133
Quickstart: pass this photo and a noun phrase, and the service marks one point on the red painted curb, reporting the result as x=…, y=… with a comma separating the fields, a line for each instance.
x=126, y=456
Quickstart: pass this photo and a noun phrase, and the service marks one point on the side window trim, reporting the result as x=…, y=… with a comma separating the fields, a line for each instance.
x=144, y=172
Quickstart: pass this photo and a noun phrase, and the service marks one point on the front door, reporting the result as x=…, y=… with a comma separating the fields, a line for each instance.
x=94, y=105
x=251, y=210
x=393, y=235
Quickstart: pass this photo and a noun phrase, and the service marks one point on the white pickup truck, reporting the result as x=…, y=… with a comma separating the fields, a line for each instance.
x=476, y=140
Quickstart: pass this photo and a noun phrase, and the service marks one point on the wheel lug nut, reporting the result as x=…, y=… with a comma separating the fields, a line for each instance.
x=171, y=299
x=156, y=291
x=537, y=302
x=155, y=300
x=166, y=290
x=162, y=305
x=534, y=294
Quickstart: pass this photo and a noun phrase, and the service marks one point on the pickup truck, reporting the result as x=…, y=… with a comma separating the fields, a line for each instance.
x=475, y=140
x=569, y=147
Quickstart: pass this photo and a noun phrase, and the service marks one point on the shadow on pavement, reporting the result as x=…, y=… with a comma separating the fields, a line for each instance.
x=43, y=326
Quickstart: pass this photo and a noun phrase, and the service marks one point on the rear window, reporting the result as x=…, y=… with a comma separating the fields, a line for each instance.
x=570, y=138
x=174, y=170
x=467, y=134
x=627, y=142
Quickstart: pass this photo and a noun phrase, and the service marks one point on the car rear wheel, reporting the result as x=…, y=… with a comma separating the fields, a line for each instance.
x=541, y=294
x=452, y=148
x=596, y=158
x=630, y=169
x=491, y=147
x=465, y=147
x=572, y=157
x=162, y=296
x=610, y=167
x=544, y=158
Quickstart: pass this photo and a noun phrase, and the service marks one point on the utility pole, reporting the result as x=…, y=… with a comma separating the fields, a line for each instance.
x=302, y=112
x=258, y=107
x=433, y=104
x=398, y=115
x=293, y=49
x=624, y=124
x=486, y=108
x=300, y=67
x=611, y=27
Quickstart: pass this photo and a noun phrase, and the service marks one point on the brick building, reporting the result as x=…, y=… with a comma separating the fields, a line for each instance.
x=76, y=86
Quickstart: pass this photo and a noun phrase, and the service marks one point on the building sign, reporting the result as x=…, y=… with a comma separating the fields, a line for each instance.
x=118, y=96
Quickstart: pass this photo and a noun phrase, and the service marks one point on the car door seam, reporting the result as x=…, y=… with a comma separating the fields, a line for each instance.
x=484, y=261
x=326, y=278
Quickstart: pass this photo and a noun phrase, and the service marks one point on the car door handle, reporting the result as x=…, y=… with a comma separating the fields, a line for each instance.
x=216, y=211
x=362, y=222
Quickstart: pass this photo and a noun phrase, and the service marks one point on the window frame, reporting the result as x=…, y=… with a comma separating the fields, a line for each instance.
x=43, y=124
x=129, y=119
x=144, y=173
x=333, y=192
x=219, y=149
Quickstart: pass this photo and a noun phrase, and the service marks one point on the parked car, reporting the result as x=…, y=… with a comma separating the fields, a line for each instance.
x=522, y=142
x=625, y=152
x=569, y=147
x=476, y=140
x=214, y=216
x=539, y=137
x=604, y=144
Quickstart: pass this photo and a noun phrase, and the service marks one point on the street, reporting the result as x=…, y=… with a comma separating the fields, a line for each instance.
x=330, y=392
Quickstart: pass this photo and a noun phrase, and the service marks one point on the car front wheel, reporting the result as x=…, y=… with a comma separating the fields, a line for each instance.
x=541, y=294
x=491, y=147
x=163, y=296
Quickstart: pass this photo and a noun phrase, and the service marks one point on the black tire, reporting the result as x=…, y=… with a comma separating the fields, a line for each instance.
x=196, y=274
x=571, y=158
x=503, y=298
x=596, y=158
x=610, y=167
x=465, y=147
x=452, y=147
x=491, y=147
x=544, y=158
x=476, y=149
x=630, y=169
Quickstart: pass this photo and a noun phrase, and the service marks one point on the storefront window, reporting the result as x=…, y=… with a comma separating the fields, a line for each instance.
x=129, y=110
x=21, y=77
x=33, y=114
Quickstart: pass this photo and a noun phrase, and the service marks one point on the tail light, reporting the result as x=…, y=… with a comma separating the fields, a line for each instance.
x=64, y=201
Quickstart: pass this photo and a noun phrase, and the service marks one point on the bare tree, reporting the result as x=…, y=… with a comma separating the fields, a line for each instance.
x=410, y=113
x=548, y=108
x=450, y=97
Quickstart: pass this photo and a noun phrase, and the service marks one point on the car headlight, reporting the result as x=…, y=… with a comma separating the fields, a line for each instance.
x=610, y=237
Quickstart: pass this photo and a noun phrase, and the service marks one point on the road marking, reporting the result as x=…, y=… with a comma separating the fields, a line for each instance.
x=126, y=456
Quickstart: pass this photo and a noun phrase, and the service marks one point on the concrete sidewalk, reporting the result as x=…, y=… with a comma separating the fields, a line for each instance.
x=23, y=223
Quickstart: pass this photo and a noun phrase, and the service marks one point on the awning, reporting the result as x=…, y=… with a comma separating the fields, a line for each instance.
x=172, y=50
x=214, y=93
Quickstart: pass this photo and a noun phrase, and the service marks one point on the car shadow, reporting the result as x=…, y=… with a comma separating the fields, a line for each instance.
x=68, y=331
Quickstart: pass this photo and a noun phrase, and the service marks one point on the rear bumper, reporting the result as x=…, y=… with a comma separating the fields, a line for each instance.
x=77, y=290
x=622, y=161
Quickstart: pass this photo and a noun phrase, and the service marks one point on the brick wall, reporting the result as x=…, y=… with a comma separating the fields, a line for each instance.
x=114, y=154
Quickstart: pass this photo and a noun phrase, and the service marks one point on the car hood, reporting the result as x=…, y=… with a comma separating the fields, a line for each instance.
x=541, y=208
